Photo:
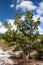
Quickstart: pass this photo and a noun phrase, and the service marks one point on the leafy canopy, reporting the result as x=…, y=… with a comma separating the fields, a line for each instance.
x=28, y=27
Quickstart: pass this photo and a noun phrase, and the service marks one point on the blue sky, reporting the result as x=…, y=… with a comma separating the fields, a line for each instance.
x=9, y=7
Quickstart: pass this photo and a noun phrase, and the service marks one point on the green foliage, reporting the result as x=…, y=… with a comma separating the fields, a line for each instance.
x=1, y=36
x=28, y=27
x=21, y=42
x=10, y=36
x=7, y=25
x=6, y=45
x=27, y=35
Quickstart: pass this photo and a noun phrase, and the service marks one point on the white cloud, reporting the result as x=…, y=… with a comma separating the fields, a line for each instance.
x=40, y=8
x=19, y=1
x=40, y=30
x=41, y=18
x=23, y=17
x=26, y=4
x=2, y=29
x=39, y=11
x=0, y=23
x=35, y=17
x=12, y=5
